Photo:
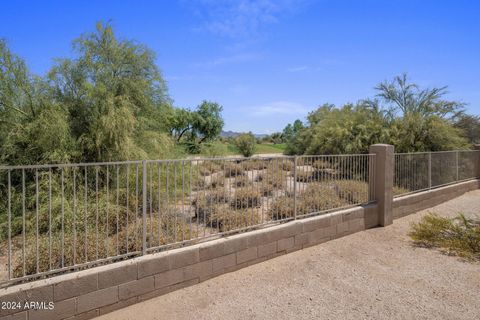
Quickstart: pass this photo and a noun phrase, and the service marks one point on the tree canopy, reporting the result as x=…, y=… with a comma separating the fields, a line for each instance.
x=405, y=115
x=109, y=102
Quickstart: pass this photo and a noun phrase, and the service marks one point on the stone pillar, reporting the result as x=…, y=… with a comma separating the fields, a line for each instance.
x=383, y=181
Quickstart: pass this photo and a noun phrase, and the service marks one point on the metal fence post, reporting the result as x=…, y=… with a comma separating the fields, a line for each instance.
x=144, y=207
x=456, y=163
x=10, y=226
x=429, y=170
x=295, y=188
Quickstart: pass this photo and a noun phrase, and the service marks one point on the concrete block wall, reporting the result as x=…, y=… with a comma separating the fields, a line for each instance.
x=414, y=202
x=89, y=293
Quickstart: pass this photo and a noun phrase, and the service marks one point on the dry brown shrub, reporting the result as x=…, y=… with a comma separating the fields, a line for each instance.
x=233, y=169
x=227, y=219
x=246, y=198
x=353, y=192
x=242, y=181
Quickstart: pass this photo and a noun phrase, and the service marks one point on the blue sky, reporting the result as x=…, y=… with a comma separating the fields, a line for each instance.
x=270, y=62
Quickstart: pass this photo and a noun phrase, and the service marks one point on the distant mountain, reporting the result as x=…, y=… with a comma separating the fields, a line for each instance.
x=229, y=134
x=233, y=134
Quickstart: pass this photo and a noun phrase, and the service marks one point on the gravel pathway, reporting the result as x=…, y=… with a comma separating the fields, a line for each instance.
x=375, y=274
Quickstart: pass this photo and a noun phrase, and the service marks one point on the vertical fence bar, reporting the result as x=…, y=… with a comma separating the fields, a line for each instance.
x=144, y=207
x=429, y=170
x=295, y=188
x=107, y=210
x=85, y=205
x=117, y=210
x=63, y=216
x=456, y=162
x=9, y=226
x=23, y=222
x=74, y=216
x=36, y=220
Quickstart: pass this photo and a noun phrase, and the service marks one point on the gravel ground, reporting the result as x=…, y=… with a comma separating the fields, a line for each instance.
x=375, y=274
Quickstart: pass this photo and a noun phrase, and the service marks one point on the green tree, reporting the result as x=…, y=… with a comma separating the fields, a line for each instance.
x=246, y=144
x=196, y=127
x=405, y=115
x=34, y=128
x=407, y=98
x=470, y=126
x=420, y=119
x=114, y=94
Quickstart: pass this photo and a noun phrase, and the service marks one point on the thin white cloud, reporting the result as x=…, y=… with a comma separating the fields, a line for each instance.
x=297, y=69
x=280, y=108
x=243, y=18
x=230, y=59
x=239, y=89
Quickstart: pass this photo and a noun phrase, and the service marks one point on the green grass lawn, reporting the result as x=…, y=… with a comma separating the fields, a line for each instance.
x=228, y=149
x=260, y=148
x=270, y=148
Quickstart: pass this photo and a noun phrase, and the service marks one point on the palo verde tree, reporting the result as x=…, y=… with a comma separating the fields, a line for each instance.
x=405, y=115
x=34, y=128
x=420, y=119
x=114, y=94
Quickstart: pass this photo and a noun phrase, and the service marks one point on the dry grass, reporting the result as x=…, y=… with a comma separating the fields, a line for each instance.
x=233, y=169
x=459, y=236
x=308, y=176
x=208, y=168
x=353, y=192
x=226, y=219
x=287, y=165
x=316, y=198
x=259, y=164
x=217, y=182
x=242, y=181
x=205, y=202
x=321, y=164
x=266, y=189
x=246, y=198
x=274, y=178
x=90, y=246
x=399, y=190
x=282, y=208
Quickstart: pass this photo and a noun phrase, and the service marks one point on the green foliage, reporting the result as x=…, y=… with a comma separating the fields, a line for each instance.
x=460, y=236
x=246, y=144
x=470, y=126
x=109, y=102
x=197, y=127
x=410, y=118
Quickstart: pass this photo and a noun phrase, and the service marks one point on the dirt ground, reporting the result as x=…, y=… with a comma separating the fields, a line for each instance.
x=375, y=274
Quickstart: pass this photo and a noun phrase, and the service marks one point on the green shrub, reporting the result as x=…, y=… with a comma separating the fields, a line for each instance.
x=246, y=144
x=460, y=235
